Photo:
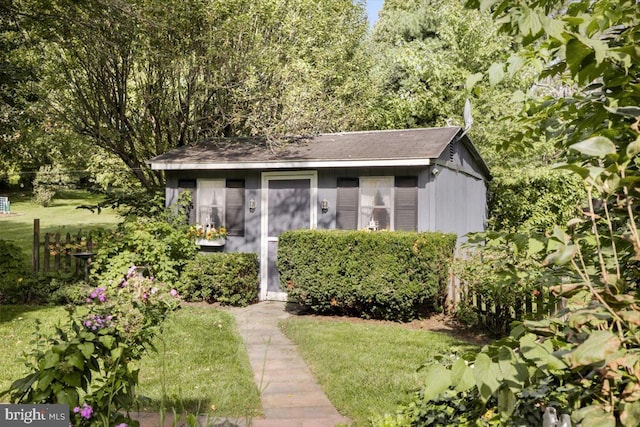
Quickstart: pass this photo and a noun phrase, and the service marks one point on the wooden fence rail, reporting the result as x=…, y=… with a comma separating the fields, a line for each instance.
x=53, y=252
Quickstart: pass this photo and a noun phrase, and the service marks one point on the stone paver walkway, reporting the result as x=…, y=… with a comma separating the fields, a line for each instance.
x=290, y=395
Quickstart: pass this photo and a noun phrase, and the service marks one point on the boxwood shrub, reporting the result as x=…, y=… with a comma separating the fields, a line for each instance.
x=385, y=275
x=228, y=278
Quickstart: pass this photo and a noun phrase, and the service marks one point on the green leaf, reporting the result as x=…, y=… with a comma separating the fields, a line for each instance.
x=631, y=111
x=73, y=379
x=67, y=396
x=598, y=46
x=515, y=64
x=598, y=146
x=630, y=414
x=76, y=360
x=107, y=341
x=633, y=148
x=594, y=416
x=49, y=360
x=487, y=375
x=472, y=80
x=496, y=73
x=596, y=348
x=437, y=380
x=530, y=22
x=462, y=376
x=554, y=28
x=87, y=348
x=562, y=255
x=576, y=52
x=506, y=402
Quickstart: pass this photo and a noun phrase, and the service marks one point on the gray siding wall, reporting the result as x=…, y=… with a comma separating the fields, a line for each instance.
x=452, y=200
x=458, y=194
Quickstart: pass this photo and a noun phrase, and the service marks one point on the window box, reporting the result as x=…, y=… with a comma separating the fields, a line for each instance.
x=213, y=242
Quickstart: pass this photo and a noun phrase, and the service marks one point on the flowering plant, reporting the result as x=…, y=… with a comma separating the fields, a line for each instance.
x=206, y=232
x=88, y=365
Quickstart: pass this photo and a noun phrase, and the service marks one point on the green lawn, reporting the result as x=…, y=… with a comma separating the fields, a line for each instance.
x=200, y=362
x=366, y=369
x=62, y=215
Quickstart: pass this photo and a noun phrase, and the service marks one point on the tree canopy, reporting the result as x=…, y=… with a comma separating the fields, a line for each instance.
x=139, y=77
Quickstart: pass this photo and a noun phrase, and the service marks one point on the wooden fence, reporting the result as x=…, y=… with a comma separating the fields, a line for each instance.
x=497, y=318
x=53, y=252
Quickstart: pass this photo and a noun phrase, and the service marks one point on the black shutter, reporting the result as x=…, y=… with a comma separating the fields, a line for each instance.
x=190, y=186
x=347, y=204
x=406, y=213
x=234, y=207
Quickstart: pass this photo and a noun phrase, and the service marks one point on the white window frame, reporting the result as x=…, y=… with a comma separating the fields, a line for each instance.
x=205, y=185
x=389, y=182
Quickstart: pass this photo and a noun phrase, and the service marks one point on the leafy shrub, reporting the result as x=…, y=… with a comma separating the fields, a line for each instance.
x=229, y=278
x=158, y=242
x=501, y=270
x=88, y=364
x=17, y=284
x=387, y=275
x=47, y=181
x=534, y=200
x=68, y=292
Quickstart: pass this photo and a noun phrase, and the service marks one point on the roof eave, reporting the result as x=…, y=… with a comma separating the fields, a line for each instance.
x=298, y=164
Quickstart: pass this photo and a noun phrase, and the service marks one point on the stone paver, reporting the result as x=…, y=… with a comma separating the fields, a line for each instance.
x=290, y=395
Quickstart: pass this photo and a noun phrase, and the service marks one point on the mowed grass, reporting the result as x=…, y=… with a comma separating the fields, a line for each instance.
x=366, y=369
x=61, y=216
x=200, y=361
x=201, y=366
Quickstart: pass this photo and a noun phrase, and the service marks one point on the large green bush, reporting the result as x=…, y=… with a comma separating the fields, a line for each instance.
x=387, y=275
x=534, y=200
x=228, y=278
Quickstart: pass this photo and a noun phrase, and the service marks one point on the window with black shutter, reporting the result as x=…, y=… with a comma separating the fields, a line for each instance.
x=234, y=207
x=347, y=204
x=406, y=203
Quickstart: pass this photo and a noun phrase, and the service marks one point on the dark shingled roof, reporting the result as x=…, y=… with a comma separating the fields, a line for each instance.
x=368, y=146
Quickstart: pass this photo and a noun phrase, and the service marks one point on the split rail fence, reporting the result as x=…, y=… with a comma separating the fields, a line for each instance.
x=53, y=252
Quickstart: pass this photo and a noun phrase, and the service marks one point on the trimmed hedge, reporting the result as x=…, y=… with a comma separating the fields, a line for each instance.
x=228, y=278
x=384, y=275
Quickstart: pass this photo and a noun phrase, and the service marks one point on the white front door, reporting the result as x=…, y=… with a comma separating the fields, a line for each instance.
x=289, y=203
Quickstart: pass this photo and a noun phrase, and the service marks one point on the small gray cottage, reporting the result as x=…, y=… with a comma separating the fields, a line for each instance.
x=414, y=179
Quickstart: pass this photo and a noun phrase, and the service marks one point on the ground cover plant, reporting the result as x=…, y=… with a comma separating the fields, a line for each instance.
x=366, y=368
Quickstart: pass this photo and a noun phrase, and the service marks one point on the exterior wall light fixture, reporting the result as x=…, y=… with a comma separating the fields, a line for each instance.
x=252, y=205
x=324, y=206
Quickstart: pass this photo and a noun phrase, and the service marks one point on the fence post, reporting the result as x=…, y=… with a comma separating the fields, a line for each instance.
x=46, y=253
x=67, y=253
x=57, y=256
x=35, y=250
